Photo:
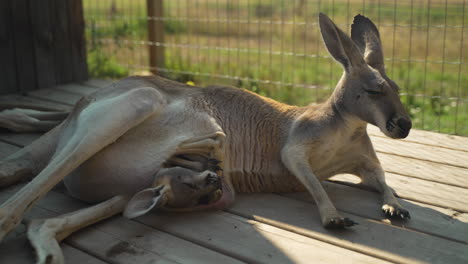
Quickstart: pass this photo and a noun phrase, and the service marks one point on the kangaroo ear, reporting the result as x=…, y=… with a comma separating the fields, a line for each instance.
x=142, y=202
x=366, y=36
x=339, y=45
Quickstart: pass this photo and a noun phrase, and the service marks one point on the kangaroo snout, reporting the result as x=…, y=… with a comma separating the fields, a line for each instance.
x=399, y=127
x=404, y=125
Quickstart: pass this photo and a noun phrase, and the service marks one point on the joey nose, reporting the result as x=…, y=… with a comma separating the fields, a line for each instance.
x=212, y=179
x=405, y=126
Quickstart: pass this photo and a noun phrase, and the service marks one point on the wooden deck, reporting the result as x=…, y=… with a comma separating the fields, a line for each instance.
x=429, y=172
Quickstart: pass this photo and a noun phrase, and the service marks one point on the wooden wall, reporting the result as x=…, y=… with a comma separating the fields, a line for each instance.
x=42, y=44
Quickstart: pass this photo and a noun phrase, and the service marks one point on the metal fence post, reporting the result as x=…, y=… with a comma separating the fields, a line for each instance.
x=155, y=34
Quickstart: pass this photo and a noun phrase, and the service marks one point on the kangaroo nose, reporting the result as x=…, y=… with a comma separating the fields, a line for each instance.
x=405, y=126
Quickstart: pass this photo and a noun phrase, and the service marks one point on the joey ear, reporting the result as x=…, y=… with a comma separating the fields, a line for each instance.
x=339, y=45
x=143, y=201
x=367, y=37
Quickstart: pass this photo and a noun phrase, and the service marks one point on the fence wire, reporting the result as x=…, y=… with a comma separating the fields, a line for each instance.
x=273, y=47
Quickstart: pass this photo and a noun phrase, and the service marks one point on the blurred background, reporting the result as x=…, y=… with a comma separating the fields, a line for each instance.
x=273, y=47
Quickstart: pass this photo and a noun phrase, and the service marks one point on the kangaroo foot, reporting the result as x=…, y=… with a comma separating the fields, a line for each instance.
x=335, y=221
x=395, y=211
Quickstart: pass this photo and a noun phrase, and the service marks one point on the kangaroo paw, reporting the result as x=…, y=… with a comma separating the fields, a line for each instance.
x=339, y=222
x=395, y=211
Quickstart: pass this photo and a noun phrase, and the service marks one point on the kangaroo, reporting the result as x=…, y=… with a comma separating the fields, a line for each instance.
x=114, y=142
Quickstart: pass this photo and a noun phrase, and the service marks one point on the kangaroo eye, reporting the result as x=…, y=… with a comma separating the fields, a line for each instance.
x=372, y=92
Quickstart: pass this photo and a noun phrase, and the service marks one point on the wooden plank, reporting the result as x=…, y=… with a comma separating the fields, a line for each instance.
x=423, y=191
x=250, y=240
x=98, y=83
x=55, y=95
x=420, y=151
x=131, y=242
x=62, y=52
x=120, y=240
x=429, y=138
x=40, y=13
x=425, y=170
x=425, y=218
x=24, y=49
x=370, y=237
x=7, y=149
x=7, y=48
x=429, y=192
x=13, y=101
x=75, y=88
x=76, y=256
x=215, y=230
x=19, y=140
x=77, y=40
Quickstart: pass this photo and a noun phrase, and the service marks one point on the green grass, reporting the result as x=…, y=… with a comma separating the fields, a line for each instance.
x=435, y=94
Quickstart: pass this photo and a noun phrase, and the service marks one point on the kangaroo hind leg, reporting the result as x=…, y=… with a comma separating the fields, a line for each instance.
x=97, y=125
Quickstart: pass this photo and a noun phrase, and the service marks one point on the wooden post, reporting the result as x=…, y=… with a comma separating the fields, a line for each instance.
x=42, y=44
x=8, y=81
x=155, y=34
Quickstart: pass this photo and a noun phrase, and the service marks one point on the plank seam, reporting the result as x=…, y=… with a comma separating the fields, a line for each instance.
x=437, y=162
x=414, y=229
x=421, y=143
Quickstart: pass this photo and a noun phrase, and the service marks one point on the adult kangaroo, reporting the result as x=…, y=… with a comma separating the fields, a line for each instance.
x=114, y=142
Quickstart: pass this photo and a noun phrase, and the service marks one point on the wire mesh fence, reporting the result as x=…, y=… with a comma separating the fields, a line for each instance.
x=273, y=47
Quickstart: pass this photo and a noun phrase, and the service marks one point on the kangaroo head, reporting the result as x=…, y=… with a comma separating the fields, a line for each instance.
x=175, y=187
x=365, y=91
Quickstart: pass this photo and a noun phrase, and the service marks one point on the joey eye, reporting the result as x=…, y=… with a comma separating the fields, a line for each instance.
x=191, y=186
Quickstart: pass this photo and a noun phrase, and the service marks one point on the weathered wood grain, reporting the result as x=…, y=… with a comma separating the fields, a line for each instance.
x=120, y=240
x=422, y=191
x=369, y=237
x=250, y=240
x=425, y=218
x=425, y=170
x=13, y=100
